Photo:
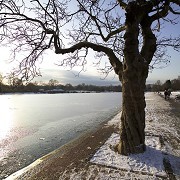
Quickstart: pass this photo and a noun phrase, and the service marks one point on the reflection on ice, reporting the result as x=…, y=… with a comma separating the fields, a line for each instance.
x=32, y=125
x=6, y=118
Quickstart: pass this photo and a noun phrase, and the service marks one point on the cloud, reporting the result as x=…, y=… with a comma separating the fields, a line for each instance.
x=74, y=78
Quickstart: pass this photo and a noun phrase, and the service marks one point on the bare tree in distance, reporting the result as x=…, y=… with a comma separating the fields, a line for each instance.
x=53, y=82
x=126, y=32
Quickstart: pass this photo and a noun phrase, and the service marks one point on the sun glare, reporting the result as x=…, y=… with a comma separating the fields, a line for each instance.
x=6, y=118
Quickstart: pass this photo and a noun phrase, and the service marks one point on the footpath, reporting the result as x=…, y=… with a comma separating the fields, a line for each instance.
x=91, y=157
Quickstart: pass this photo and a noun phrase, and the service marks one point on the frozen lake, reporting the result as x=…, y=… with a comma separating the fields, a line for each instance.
x=33, y=125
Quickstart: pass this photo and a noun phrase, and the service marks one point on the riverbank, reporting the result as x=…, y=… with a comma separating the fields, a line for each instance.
x=90, y=157
x=74, y=153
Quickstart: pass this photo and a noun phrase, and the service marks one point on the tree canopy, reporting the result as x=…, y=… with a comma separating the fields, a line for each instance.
x=76, y=26
x=127, y=32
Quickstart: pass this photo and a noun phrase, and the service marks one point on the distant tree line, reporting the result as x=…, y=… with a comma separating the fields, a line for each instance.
x=16, y=85
x=173, y=85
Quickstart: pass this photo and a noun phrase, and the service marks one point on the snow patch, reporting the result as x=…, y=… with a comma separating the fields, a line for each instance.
x=149, y=162
x=115, y=120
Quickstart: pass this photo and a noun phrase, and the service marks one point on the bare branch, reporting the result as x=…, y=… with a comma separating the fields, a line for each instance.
x=162, y=11
x=97, y=25
x=170, y=42
x=22, y=17
x=96, y=20
x=122, y=4
x=174, y=12
x=117, y=65
x=176, y=2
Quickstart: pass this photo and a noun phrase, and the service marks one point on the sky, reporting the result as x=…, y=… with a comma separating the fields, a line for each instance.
x=91, y=76
x=49, y=70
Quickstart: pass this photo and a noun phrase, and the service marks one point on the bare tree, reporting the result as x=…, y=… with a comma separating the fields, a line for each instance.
x=124, y=31
x=157, y=86
x=14, y=81
x=1, y=78
x=53, y=82
x=1, y=82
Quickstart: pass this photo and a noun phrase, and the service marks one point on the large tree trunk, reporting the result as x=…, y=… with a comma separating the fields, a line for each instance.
x=132, y=130
x=133, y=79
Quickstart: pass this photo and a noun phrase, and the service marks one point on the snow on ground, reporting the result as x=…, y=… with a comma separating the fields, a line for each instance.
x=162, y=140
x=115, y=120
x=174, y=93
x=150, y=162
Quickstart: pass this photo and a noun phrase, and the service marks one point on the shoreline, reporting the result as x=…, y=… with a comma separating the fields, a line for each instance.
x=102, y=131
x=40, y=162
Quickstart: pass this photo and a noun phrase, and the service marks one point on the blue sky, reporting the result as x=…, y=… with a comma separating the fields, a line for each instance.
x=171, y=71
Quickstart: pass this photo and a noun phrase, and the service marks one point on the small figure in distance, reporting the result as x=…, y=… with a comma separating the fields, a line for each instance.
x=165, y=94
x=169, y=93
x=177, y=97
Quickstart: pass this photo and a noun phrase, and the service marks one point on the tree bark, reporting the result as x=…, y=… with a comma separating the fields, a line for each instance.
x=132, y=130
x=133, y=79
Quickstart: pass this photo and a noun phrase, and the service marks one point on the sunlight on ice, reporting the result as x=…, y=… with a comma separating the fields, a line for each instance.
x=6, y=119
